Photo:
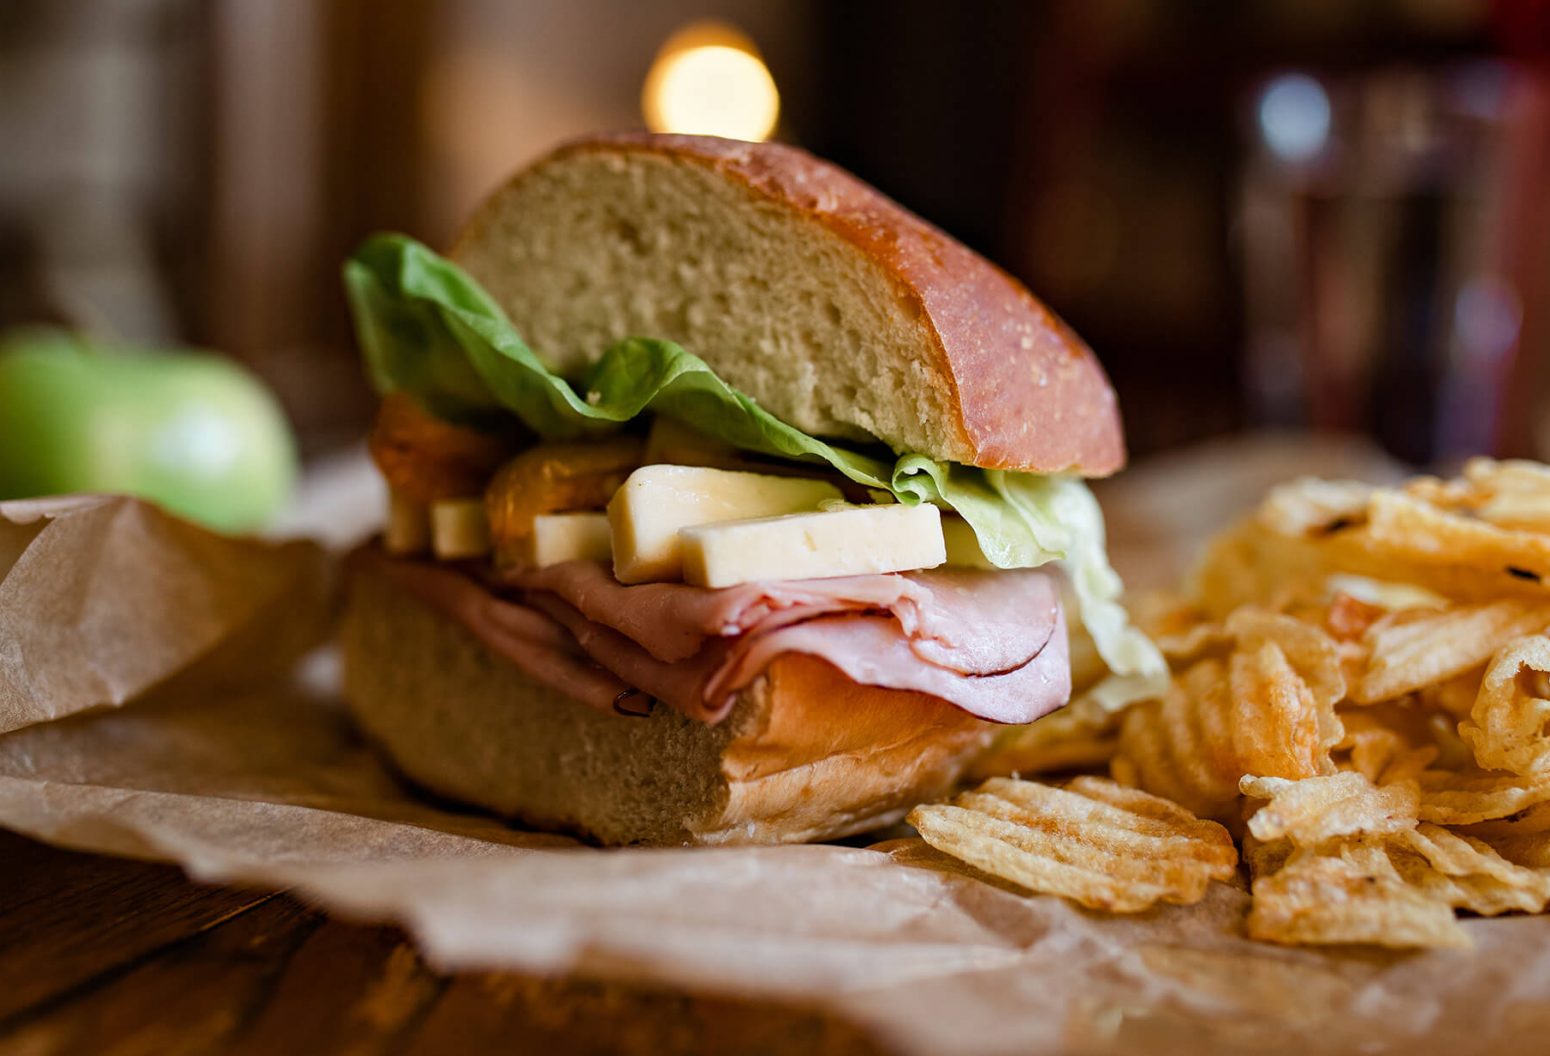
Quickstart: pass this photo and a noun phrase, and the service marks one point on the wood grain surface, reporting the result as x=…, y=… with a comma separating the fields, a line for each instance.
x=105, y=956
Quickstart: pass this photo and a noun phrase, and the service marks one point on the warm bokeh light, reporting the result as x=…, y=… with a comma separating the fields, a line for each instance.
x=708, y=79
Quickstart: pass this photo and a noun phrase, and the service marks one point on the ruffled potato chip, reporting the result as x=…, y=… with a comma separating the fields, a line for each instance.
x=1305, y=646
x=1249, y=565
x=1454, y=697
x=1280, y=726
x=1362, y=681
x=1467, y=873
x=1412, y=650
x=1181, y=746
x=1269, y=709
x=1348, y=617
x=1467, y=553
x=1312, y=506
x=1083, y=735
x=1506, y=728
x=1522, y=838
x=1451, y=797
x=1317, y=810
x=1092, y=841
x=1328, y=860
x=1387, y=743
x=1322, y=900
x=1513, y=494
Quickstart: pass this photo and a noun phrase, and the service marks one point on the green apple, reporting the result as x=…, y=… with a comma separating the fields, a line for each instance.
x=193, y=432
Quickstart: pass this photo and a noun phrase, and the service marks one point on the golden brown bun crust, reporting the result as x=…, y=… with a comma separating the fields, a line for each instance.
x=1026, y=393
x=806, y=754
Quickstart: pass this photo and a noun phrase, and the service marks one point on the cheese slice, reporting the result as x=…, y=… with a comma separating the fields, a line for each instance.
x=656, y=502
x=848, y=541
x=459, y=528
x=560, y=537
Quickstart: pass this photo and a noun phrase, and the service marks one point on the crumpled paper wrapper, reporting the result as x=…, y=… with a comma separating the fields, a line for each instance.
x=260, y=781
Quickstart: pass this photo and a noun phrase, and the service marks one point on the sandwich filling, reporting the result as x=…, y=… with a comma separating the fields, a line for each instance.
x=991, y=643
x=646, y=532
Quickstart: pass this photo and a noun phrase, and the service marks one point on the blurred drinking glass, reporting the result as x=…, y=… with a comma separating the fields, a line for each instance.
x=1395, y=230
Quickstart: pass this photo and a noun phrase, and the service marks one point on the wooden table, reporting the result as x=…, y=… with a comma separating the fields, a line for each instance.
x=106, y=956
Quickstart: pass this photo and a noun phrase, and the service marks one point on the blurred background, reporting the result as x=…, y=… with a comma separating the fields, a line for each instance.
x=1321, y=214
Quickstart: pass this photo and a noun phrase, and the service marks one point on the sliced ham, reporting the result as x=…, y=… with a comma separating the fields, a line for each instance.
x=967, y=620
x=873, y=653
x=991, y=643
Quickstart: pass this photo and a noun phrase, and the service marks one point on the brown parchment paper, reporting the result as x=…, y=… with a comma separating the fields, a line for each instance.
x=260, y=780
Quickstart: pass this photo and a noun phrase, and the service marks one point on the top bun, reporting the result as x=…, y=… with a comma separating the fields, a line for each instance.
x=836, y=309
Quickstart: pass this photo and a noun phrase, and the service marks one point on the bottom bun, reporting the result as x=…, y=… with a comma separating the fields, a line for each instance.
x=805, y=754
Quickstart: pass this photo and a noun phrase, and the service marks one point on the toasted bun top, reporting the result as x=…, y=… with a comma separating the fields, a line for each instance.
x=835, y=308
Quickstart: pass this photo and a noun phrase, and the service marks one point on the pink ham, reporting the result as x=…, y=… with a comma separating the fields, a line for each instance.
x=971, y=621
x=991, y=643
x=870, y=651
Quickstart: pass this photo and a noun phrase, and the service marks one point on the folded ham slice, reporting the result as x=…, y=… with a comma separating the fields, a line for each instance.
x=991, y=643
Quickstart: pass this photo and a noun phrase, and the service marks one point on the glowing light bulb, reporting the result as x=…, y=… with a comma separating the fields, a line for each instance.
x=708, y=79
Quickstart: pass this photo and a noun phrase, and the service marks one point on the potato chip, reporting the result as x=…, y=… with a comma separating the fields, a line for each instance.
x=1455, y=696
x=1386, y=743
x=1181, y=746
x=1506, y=728
x=1082, y=735
x=1512, y=494
x=1522, y=838
x=1187, y=646
x=1264, y=857
x=1348, y=618
x=1385, y=595
x=1362, y=680
x=1305, y=645
x=1442, y=867
x=1256, y=715
x=1419, y=648
x=1316, y=899
x=1279, y=727
x=1466, y=798
x=1311, y=506
x=1317, y=810
x=1530, y=850
x=1402, y=527
x=1467, y=873
x=1095, y=842
x=1249, y=565
x=1531, y=821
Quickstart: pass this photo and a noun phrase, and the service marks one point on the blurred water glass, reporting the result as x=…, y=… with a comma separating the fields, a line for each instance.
x=1393, y=227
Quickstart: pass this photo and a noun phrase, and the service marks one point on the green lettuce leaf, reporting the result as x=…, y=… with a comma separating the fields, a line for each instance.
x=428, y=329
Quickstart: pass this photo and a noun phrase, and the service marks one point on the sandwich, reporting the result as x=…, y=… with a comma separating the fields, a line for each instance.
x=729, y=502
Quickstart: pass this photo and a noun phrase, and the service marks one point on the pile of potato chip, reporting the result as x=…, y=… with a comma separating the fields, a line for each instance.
x=1360, y=695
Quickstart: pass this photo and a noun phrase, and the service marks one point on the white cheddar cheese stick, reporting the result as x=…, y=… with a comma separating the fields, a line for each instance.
x=646, y=514
x=408, y=528
x=856, y=540
x=459, y=528
x=559, y=537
